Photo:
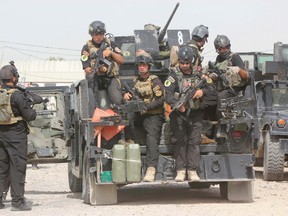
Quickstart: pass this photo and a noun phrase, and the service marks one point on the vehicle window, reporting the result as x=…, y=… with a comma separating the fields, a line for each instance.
x=262, y=59
x=280, y=98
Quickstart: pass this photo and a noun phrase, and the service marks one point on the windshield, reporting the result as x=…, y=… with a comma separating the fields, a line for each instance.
x=280, y=98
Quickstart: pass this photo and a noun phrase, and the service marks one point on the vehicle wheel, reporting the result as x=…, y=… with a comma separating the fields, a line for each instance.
x=199, y=185
x=273, y=161
x=75, y=184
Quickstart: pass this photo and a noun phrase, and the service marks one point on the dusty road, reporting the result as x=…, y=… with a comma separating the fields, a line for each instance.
x=48, y=188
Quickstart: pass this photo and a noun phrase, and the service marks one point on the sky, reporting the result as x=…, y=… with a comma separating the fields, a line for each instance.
x=40, y=29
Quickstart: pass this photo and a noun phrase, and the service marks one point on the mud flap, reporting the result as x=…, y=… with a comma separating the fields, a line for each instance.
x=240, y=191
x=103, y=194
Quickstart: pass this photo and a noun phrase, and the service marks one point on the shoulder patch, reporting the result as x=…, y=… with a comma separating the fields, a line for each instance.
x=171, y=79
x=167, y=83
x=84, y=58
x=158, y=93
x=156, y=88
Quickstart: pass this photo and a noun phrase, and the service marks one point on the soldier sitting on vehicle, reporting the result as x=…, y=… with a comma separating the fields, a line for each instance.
x=100, y=58
x=234, y=72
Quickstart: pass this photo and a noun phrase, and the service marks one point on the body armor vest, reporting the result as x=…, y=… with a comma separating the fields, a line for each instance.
x=145, y=92
x=92, y=49
x=6, y=114
x=231, y=74
x=186, y=81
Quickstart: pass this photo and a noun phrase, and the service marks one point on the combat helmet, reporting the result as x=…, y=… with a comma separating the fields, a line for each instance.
x=222, y=41
x=97, y=27
x=143, y=57
x=186, y=54
x=7, y=72
x=151, y=27
x=199, y=33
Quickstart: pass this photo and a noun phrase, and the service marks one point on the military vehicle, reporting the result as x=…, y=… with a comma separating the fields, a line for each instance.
x=271, y=133
x=68, y=129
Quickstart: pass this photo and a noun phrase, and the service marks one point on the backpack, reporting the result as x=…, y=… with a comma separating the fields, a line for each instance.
x=6, y=114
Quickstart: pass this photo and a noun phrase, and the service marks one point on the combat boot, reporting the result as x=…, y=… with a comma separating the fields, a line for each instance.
x=150, y=174
x=130, y=141
x=192, y=175
x=25, y=206
x=181, y=174
x=206, y=140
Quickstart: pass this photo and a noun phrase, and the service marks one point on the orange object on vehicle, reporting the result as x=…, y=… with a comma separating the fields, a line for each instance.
x=107, y=132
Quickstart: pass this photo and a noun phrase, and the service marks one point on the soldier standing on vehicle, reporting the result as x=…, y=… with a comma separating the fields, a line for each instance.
x=199, y=36
x=186, y=121
x=102, y=53
x=150, y=89
x=235, y=72
x=164, y=50
x=13, y=137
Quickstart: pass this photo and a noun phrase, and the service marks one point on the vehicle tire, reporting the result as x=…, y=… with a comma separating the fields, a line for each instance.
x=273, y=161
x=75, y=184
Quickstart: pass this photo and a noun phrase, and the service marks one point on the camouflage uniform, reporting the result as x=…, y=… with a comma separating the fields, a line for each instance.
x=99, y=81
x=186, y=127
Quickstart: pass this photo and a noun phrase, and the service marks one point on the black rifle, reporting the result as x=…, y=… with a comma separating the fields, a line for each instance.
x=100, y=60
x=32, y=97
x=163, y=31
x=136, y=104
x=188, y=92
x=220, y=74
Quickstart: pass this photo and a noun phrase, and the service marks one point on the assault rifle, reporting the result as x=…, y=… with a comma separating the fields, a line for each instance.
x=163, y=31
x=188, y=93
x=100, y=60
x=220, y=74
x=136, y=104
x=32, y=97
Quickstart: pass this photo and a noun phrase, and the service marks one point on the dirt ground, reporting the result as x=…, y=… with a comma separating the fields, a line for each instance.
x=48, y=188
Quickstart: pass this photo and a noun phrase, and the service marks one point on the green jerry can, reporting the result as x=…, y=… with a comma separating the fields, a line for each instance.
x=119, y=164
x=133, y=163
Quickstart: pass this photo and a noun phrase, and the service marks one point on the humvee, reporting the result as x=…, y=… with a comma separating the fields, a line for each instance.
x=271, y=133
x=64, y=131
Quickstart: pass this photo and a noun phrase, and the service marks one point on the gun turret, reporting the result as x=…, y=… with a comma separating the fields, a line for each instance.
x=163, y=31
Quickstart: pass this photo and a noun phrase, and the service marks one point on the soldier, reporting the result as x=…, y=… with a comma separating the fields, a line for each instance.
x=150, y=89
x=164, y=50
x=199, y=36
x=234, y=68
x=13, y=137
x=96, y=51
x=186, y=121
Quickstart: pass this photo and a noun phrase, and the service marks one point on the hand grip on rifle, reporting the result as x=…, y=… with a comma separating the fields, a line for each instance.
x=188, y=93
x=131, y=91
x=220, y=74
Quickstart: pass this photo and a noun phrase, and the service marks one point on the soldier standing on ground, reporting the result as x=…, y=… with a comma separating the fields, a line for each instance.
x=13, y=139
x=186, y=121
x=103, y=77
x=150, y=89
